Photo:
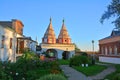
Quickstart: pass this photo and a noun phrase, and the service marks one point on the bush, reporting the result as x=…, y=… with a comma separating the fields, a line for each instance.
x=78, y=60
x=55, y=69
x=53, y=77
x=84, y=59
x=116, y=77
x=83, y=53
x=75, y=61
x=28, y=67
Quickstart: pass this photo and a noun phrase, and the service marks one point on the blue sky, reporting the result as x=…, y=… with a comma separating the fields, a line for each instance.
x=81, y=18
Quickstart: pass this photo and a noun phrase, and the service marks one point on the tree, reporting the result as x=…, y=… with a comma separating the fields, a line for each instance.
x=76, y=48
x=113, y=10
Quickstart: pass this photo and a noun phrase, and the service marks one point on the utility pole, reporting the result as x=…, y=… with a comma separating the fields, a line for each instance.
x=93, y=57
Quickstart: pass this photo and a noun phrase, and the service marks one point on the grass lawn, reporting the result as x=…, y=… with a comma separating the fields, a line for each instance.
x=110, y=76
x=63, y=62
x=37, y=73
x=90, y=70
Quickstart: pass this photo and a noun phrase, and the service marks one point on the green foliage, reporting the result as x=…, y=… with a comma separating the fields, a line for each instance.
x=2, y=73
x=29, y=55
x=55, y=69
x=28, y=67
x=113, y=9
x=116, y=77
x=84, y=60
x=83, y=53
x=76, y=48
x=90, y=70
x=63, y=62
x=53, y=77
x=78, y=60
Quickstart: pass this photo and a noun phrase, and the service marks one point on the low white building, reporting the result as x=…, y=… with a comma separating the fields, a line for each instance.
x=12, y=40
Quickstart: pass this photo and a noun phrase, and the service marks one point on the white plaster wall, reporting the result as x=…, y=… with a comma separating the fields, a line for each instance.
x=72, y=53
x=64, y=47
x=26, y=43
x=33, y=46
x=109, y=60
x=60, y=52
x=18, y=35
x=6, y=53
x=30, y=44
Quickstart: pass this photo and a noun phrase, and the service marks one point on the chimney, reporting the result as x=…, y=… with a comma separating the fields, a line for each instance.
x=14, y=23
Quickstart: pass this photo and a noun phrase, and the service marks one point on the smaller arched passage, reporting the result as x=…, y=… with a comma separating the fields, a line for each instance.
x=65, y=55
x=52, y=53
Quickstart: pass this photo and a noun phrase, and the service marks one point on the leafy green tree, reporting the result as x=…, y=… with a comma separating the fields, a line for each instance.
x=113, y=10
x=76, y=48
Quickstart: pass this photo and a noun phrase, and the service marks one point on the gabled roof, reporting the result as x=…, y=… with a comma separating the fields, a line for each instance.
x=6, y=24
x=63, y=32
x=50, y=31
x=27, y=38
x=114, y=33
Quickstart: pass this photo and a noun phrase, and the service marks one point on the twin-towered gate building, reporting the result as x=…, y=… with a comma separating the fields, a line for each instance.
x=61, y=47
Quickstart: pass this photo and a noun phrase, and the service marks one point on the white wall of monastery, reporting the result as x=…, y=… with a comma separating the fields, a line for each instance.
x=60, y=48
x=6, y=52
x=33, y=46
x=65, y=47
x=110, y=59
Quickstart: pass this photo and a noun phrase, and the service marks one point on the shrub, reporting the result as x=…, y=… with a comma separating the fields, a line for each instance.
x=75, y=61
x=84, y=59
x=53, y=77
x=116, y=77
x=78, y=60
x=2, y=73
x=55, y=69
x=83, y=53
x=28, y=67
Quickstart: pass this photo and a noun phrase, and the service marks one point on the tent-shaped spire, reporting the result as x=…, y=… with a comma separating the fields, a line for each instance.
x=49, y=36
x=36, y=40
x=64, y=36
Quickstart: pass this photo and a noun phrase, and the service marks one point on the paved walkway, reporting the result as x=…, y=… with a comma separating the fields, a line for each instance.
x=72, y=74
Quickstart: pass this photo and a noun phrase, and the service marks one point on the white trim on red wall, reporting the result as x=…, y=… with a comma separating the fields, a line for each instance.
x=115, y=60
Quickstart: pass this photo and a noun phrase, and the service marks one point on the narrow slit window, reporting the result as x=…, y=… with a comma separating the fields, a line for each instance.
x=3, y=41
x=10, y=43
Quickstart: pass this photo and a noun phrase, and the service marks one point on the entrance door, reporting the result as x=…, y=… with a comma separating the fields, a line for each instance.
x=21, y=46
x=65, y=55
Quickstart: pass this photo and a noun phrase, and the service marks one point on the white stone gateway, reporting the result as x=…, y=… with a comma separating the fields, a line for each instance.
x=61, y=47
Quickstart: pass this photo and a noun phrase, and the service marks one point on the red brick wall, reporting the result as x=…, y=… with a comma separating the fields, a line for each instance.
x=112, y=45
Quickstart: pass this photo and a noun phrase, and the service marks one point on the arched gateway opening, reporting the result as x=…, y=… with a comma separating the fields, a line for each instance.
x=65, y=55
x=52, y=53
